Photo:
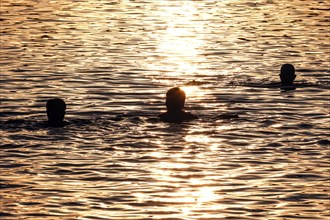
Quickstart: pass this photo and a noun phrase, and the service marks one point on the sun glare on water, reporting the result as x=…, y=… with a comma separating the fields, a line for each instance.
x=179, y=43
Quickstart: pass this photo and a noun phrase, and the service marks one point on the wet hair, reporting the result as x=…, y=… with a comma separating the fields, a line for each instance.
x=287, y=74
x=175, y=99
x=55, y=110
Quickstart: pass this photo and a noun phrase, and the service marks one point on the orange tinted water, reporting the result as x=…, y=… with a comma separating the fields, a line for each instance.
x=110, y=58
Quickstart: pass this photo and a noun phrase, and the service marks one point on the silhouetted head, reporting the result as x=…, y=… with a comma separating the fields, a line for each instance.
x=175, y=98
x=287, y=74
x=55, y=111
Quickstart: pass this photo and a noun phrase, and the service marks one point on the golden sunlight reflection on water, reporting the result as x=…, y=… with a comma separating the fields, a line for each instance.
x=113, y=61
x=180, y=43
x=194, y=194
x=197, y=138
x=191, y=190
x=193, y=92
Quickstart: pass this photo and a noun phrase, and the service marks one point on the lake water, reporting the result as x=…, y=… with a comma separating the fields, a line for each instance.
x=113, y=61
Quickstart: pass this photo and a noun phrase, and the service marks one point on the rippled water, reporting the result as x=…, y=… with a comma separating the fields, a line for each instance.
x=113, y=61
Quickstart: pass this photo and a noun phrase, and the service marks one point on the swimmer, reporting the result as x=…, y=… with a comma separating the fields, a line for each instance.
x=287, y=75
x=55, y=112
x=175, y=99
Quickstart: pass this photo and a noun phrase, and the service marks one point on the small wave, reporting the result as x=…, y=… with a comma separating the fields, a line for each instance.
x=267, y=84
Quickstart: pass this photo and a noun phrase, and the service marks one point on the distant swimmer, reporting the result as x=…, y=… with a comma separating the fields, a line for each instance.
x=287, y=76
x=175, y=99
x=55, y=112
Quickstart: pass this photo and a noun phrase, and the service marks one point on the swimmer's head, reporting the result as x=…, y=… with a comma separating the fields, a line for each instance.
x=55, y=110
x=287, y=74
x=175, y=99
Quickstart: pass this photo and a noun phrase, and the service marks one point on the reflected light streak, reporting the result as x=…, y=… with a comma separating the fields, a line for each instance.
x=206, y=194
x=197, y=138
x=190, y=193
x=193, y=91
x=179, y=44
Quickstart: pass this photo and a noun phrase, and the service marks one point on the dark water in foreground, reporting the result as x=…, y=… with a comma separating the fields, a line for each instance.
x=113, y=61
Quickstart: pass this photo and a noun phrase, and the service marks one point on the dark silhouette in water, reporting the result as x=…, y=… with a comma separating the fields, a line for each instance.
x=287, y=76
x=195, y=83
x=175, y=99
x=55, y=112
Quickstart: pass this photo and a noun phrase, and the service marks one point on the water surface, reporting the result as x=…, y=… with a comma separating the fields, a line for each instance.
x=113, y=61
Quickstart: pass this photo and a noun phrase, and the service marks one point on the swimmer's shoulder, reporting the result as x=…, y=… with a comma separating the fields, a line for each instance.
x=177, y=117
x=189, y=116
